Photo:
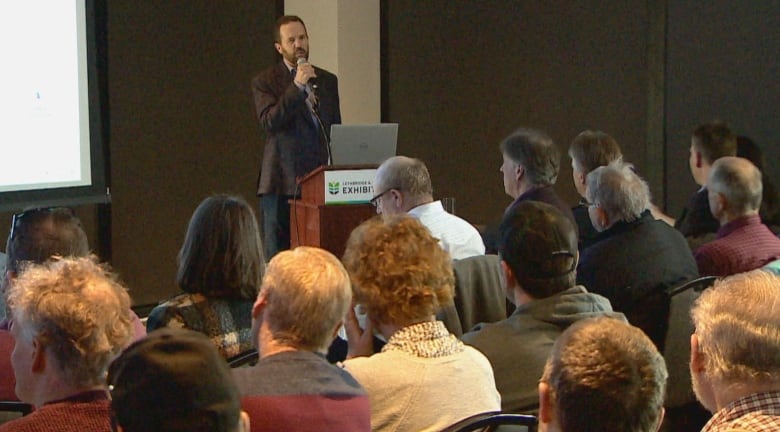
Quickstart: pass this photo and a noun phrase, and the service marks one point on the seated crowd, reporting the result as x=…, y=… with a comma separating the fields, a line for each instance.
x=580, y=347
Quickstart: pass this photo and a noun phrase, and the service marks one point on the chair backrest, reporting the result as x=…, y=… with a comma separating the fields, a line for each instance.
x=16, y=406
x=479, y=296
x=246, y=358
x=495, y=422
x=677, y=345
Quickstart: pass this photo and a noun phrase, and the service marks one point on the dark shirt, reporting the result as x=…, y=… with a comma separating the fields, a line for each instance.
x=632, y=264
x=696, y=219
x=588, y=234
x=545, y=194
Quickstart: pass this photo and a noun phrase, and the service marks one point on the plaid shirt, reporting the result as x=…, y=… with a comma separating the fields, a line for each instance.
x=758, y=412
x=742, y=245
x=227, y=322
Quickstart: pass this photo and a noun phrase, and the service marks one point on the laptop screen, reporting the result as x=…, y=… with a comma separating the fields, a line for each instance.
x=363, y=144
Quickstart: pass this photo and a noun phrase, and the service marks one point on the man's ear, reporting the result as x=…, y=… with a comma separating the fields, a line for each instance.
x=697, y=357
x=509, y=276
x=699, y=159
x=38, y=363
x=723, y=204
x=519, y=172
x=581, y=180
x=278, y=47
x=336, y=330
x=546, y=404
x=601, y=217
x=243, y=422
x=398, y=198
x=661, y=416
x=260, y=303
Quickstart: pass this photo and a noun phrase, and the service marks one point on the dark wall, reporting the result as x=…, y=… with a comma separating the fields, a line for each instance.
x=462, y=75
x=182, y=122
x=722, y=64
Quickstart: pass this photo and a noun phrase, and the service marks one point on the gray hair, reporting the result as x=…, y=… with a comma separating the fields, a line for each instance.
x=737, y=323
x=536, y=152
x=77, y=309
x=619, y=191
x=407, y=174
x=739, y=181
x=309, y=293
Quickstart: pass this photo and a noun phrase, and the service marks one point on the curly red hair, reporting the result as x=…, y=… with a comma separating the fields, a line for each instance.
x=399, y=272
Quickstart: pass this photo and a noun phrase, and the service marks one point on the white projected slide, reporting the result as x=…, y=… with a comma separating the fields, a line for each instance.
x=44, y=113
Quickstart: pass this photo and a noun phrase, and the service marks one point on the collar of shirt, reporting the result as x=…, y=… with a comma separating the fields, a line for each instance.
x=738, y=223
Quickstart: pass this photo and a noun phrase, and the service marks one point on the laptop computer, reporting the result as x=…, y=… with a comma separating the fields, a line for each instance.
x=362, y=144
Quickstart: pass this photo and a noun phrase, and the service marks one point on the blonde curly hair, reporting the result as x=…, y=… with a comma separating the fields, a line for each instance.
x=76, y=308
x=399, y=272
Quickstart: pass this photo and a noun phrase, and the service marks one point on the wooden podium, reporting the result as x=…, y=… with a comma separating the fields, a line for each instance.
x=313, y=222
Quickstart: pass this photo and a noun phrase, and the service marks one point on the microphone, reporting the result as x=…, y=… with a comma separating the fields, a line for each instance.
x=312, y=82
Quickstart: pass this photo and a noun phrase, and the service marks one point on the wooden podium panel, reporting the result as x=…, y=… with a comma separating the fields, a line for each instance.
x=326, y=226
x=313, y=223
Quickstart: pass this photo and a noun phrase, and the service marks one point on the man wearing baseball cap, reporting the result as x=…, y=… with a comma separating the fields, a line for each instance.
x=538, y=250
x=174, y=380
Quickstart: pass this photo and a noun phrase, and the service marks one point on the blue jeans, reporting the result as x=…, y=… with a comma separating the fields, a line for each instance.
x=276, y=223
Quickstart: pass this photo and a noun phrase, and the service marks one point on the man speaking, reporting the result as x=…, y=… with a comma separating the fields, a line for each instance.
x=296, y=104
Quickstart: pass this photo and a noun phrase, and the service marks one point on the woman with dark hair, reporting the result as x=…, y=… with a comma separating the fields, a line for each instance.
x=221, y=266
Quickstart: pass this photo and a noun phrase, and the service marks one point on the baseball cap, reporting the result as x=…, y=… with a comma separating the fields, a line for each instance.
x=539, y=239
x=173, y=380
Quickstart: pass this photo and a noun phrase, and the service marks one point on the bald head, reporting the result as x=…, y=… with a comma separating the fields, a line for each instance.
x=735, y=188
x=407, y=176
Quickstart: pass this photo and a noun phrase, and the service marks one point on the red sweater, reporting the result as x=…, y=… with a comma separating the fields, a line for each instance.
x=84, y=412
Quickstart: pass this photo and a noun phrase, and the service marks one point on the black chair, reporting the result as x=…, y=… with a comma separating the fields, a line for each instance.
x=495, y=422
x=246, y=358
x=16, y=406
x=683, y=411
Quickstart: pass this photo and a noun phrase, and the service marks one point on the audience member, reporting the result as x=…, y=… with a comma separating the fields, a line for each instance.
x=743, y=243
x=70, y=319
x=36, y=236
x=735, y=352
x=588, y=151
x=530, y=169
x=538, y=251
x=304, y=297
x=603, y=376
x=403, y=185
x=710, y=142
x=635, y=258
x=220, y=268
x=174, y=380
x=770, y=198
x=424, y=379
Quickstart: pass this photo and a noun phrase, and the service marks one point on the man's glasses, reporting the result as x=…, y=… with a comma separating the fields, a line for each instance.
x=18, y=217
x=375, y=200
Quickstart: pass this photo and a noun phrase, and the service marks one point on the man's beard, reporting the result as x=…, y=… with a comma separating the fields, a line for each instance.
x=293, y=56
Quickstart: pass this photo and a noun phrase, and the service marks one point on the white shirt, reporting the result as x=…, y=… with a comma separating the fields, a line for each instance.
x=456, y=236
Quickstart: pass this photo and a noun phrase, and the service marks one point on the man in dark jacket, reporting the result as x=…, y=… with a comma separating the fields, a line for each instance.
x=296, y=104
x=636, y=257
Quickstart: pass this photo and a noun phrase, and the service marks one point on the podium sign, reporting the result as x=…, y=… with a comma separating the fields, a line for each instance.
x=349, y=186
